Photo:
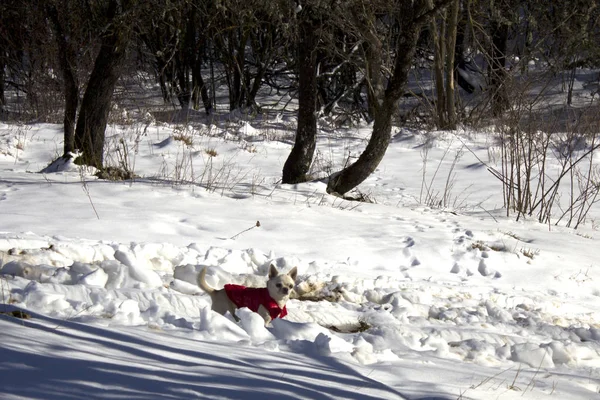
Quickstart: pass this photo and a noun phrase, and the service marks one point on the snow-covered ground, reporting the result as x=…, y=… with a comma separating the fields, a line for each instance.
x=395, y=299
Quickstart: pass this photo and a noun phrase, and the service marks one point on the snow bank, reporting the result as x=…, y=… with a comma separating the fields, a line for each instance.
x=155, y=285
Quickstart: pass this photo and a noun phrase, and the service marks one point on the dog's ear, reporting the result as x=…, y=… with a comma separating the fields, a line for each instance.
x=273, y=271
x=293, y=273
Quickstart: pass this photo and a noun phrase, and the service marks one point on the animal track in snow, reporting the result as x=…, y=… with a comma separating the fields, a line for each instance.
x=468, y=235
x=409, y=242
x=484, y=270
x=460, y=270
x=4, y=191
x=406, y=252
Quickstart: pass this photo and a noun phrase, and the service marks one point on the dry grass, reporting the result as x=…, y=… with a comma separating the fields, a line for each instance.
x=211, y=152
x=359, y=326
x=312, y=291
x=116, y=174
x=187, y=140
x=482, y=246
x=530, y=253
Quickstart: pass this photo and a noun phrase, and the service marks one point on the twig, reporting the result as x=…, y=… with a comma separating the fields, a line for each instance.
x=532, y=381
x=257, y=225
x=87, y=191
x=488, y=213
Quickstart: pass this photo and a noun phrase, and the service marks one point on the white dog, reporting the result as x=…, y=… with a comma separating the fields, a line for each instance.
x=269, y=302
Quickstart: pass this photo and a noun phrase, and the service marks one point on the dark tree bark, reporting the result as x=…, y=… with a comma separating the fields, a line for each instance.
x=232, y=48
x=262, y=42
x=253, y=86
x=184, y=92
x=383, y=102
x=497, y=67
x=298, y=162
x=3, y=53
x=159, y=38
x=459, y=52
x=67, y=61
x=199, y=87
x=2, y=78
x=176, y=38
x=95, y=106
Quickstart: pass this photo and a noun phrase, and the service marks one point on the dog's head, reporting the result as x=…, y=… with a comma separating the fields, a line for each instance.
x=281, y=285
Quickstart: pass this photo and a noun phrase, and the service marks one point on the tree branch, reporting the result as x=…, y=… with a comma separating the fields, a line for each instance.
x=423, y=18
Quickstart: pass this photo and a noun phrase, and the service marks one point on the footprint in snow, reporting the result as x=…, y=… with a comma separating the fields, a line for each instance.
x=456, y=269
x=414, y=261
x=408, y=243
x=8, y=188
x=460, y=270
x=484, y=270
x=461, y=239
x=407, y=253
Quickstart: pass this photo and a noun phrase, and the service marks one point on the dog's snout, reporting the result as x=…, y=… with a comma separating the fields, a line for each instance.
x=285, y=290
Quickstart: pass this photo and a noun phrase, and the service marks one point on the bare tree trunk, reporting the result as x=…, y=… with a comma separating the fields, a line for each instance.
x=184, y=92
x=450, y=43
x=385, y=104
x=439, y=49
x=444, y=31
x=353, y=175
x=261, y=41
x=459, y=51
x=67, y=61
x=95, y=106
x=497, y=67
x=571, y=83
x=298, y=162
x=2, y=77
x=199, y=87
x=234, y=60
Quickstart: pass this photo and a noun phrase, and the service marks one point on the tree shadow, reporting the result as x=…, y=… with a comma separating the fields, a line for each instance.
x=45, y=358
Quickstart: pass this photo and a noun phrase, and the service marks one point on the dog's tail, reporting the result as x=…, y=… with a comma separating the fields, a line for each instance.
x=202, y=282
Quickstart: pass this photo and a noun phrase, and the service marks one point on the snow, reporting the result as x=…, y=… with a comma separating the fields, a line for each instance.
x=396, y=299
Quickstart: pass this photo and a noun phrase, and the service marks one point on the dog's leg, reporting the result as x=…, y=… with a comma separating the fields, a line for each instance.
x=232, y=309
x=263, y=312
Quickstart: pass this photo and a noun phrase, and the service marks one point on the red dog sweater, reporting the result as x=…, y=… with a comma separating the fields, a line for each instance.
x=253, y=298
